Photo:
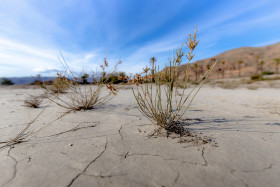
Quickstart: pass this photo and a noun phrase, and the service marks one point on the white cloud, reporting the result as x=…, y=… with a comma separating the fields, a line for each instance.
x=29, y=37
x=32, y=59
x=89, y=56
x=11, y=47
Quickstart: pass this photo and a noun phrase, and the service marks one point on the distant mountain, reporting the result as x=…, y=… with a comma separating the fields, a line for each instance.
x=30, y=80
x=27, y=80
x=255, y=60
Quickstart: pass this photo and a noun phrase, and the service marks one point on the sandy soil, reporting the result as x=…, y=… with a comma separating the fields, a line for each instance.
x=110, y=146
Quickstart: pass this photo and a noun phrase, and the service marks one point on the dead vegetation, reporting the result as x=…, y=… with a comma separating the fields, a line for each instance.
x=157, y=94
x=33, y=101
x=79, y=97
x=229, y=84
x=252, y=87
x=182, y=136
x=76, y=98
x=57, y=86
x=23, y=135
x=160, y=102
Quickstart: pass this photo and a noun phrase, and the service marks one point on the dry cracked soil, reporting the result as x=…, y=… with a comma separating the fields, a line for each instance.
x=110, y=145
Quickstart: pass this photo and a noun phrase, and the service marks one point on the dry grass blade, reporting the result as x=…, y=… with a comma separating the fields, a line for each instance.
x=25, y=133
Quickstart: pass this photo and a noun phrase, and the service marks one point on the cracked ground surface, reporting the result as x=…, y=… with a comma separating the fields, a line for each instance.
x=111, y=146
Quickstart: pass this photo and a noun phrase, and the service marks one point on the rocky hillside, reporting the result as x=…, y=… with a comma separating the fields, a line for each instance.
x=240, y=62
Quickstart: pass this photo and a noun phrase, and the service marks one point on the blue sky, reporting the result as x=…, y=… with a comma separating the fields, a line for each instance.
x=33, y=31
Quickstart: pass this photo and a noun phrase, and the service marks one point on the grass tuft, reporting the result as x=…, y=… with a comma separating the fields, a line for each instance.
x=33, y=101
x=59, y=85
x=81, y=97
x=163, y=103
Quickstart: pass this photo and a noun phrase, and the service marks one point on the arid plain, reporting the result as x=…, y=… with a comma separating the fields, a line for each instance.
x=235, y=143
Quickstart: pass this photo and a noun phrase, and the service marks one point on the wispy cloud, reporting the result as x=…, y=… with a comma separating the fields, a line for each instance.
x=33, y=32
x=47, y=71
x=22, y=59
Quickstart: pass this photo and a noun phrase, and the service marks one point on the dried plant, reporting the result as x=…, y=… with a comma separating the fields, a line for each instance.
x=229, y=84
x=277, y=63
x=33, y=101
x=153, y=62
x=24, y=134
x=195, y=69
x=59, y=85
x=77, y=97
x=165, y=105
x=240, y=62
x=223, y=69
x=80, y=97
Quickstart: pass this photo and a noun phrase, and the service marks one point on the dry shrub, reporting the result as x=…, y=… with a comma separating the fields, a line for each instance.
x=60, y=84
x=183, y=137
x=165, y=104
x=33, y=101
x=220, y=82
x=252, y=87
x=77, y=97
x=273, y=84
x=229, y=85
x=80, y=97
x=257, y=77
x=83, y=98
x=246, y=81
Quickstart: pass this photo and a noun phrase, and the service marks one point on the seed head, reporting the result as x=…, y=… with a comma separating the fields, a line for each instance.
x=146, y=69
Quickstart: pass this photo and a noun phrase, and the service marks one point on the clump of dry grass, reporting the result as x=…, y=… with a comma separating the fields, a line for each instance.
x=59, y=85
x=82, y=98
x=161, y=103
x=23, y=135
x=76, y=98
x=33, y=101
x=79, y=97
x=229, y=84
x=252, y=87
x=246, y=81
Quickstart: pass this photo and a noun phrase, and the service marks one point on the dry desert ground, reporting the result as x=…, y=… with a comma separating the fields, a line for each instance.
x=111, y=145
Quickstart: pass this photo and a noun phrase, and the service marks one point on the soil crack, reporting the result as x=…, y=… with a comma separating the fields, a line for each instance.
x=252, y=171
x=239, y=178
x=166, y=159
x=15, y=166
x=91, y=162
x=202, y=154
x=176, y=179
x=75, y=129
x=121, y=132
x=104, y=176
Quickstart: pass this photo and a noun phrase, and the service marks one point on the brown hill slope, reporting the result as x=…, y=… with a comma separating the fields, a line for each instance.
x=255, y=60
